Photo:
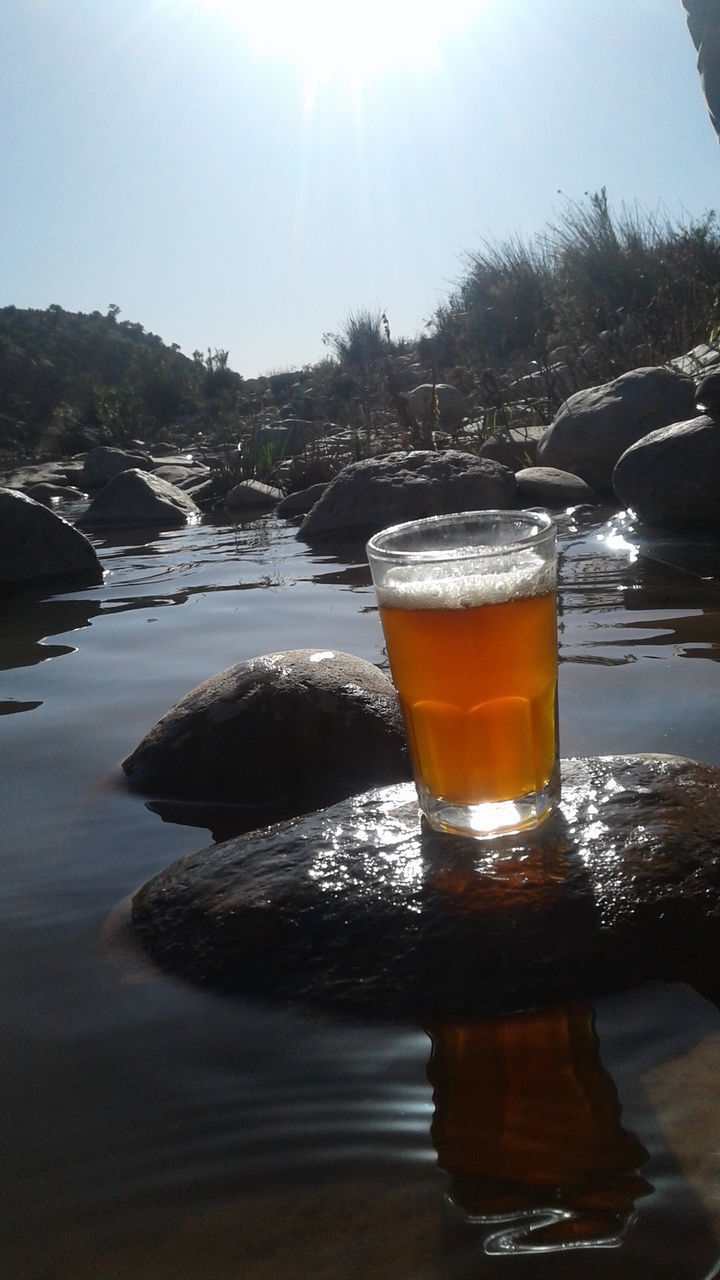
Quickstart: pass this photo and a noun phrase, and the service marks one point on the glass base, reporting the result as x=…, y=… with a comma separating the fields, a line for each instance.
x=489, y=819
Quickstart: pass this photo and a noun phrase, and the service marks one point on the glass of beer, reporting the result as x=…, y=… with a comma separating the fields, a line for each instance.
x=469, y=611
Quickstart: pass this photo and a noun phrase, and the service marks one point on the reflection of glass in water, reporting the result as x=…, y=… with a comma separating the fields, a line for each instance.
x=527, y=1125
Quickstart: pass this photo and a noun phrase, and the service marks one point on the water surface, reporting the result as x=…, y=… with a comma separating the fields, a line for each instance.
x=151, y=1130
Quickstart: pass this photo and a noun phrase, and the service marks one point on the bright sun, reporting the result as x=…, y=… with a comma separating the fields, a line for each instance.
x=350, y=40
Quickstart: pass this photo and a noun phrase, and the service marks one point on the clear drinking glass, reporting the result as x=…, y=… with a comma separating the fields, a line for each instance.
x=468, y=605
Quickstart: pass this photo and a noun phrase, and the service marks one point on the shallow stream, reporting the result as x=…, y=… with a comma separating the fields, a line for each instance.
x=152, y=1131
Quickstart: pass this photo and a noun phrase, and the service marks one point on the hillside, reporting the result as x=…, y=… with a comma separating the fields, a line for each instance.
x=70, y=380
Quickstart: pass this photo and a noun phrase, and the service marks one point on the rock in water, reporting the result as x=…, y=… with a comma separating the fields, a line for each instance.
x=36, y=545
x=671, y=477
x=252, y=495
x=137, y=498
x=272, y=737
x=359, y=908
x=549, y=487
x=368, y=495
x=105, y=461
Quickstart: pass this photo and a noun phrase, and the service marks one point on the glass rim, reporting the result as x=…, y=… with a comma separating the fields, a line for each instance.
x=437, y=553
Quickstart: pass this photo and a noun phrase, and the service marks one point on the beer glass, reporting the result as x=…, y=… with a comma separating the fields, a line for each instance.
x=469, y=612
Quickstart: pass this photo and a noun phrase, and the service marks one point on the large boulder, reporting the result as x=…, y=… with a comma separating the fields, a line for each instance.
x=671, y=478
x=137, y=498
x=104, y=462
x=272, y=737
x=369, y=495
x=362, y=908
x=594, y=427
x=36, y=545
x=427, y=401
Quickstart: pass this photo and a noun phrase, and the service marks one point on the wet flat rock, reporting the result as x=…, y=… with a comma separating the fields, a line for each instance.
x=361, y=908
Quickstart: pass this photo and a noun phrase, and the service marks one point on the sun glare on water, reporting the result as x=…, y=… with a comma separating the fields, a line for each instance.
x=351, y=40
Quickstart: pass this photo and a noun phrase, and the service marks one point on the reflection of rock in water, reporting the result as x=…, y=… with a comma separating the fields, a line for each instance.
x=31, y=618
x=527, y=1125
x=13, y=707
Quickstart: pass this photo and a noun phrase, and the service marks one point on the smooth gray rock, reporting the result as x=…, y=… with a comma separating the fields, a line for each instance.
x=272, y=737
x=202, y=492
x=137, y=498
x=252, y=495
x=594, y=427
x=299, y=503
x=181, y=475
x=450, y=406
x=37, y=545
x=359, y=908
x=551, y=488
x=515, y=448
x=45, y=492
x=104, y=462
x=671, y=478
x=369, y=495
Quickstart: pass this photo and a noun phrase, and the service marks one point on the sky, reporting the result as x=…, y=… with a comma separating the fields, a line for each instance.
x=243, y=175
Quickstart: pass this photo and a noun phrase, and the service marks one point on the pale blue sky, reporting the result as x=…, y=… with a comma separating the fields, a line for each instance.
x=153, y=155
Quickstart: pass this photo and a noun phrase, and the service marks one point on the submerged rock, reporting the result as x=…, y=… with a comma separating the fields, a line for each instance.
x=37, y=545
x=360, y=908
x=272, y=737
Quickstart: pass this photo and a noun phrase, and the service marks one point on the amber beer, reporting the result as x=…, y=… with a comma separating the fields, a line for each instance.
x=471, y=634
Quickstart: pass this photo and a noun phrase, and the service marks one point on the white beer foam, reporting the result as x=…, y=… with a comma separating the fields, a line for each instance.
x=467, y=583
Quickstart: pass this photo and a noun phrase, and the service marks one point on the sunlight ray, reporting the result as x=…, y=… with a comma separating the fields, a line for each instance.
x=329, y=41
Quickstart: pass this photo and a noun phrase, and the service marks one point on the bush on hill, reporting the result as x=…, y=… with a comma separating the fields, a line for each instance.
x=643, y=286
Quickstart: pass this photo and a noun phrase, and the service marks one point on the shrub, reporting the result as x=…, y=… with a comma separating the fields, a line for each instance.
x=362, y=342
x=648, y=284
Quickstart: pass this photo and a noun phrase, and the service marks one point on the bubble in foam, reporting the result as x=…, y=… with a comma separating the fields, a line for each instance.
x=466, y=583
